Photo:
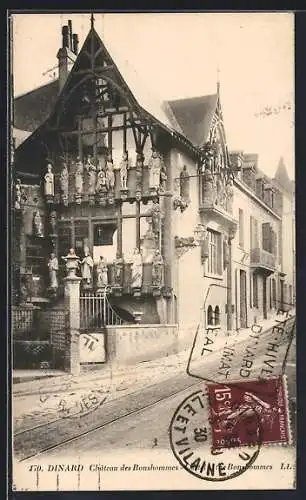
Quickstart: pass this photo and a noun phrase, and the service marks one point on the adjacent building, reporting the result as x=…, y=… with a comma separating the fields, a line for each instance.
x=177, y=229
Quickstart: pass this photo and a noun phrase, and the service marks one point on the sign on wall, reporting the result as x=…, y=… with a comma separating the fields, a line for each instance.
x=92, y=348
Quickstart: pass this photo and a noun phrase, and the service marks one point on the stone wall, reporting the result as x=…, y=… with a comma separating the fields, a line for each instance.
x=129, y=344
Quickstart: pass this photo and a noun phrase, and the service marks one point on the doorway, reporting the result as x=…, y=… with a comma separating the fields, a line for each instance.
x=243, y=300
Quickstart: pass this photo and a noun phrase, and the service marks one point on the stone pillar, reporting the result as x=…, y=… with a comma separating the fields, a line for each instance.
x=72, y=304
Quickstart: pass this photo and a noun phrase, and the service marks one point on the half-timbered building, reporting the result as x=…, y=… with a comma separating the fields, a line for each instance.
x=142, y=191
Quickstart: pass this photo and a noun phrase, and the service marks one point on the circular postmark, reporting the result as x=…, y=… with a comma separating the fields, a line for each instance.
x=191, y=442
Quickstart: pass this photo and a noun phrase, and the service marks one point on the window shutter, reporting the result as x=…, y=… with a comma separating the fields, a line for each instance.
x=265, y=236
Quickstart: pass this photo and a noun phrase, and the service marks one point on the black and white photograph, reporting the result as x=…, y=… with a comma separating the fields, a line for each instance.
x=153, y=261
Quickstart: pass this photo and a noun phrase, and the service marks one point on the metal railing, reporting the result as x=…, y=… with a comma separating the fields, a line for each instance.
x=263, y=258
x=22, y=321
x=97, y=312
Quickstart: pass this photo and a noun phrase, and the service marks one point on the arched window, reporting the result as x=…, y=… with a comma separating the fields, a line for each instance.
x=210, y=316
x=217, y=315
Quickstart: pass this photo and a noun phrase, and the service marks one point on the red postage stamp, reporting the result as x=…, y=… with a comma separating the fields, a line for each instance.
x=248, y=412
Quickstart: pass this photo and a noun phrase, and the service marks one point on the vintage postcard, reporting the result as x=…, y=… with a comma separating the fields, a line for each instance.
x=153, y=251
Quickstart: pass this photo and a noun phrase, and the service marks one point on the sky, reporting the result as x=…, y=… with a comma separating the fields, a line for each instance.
x=181, y=55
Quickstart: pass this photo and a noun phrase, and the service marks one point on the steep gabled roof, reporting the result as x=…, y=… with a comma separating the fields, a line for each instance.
x=34, y=107
x=190, y=118
x=194, y=116
x=20, y=136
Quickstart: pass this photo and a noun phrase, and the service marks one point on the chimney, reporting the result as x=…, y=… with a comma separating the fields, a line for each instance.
x=66, y=54
x=75, y=43
x=70, y=34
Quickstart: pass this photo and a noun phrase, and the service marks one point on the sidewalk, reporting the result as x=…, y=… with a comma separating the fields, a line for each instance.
x=59, y=381
x=38, y=402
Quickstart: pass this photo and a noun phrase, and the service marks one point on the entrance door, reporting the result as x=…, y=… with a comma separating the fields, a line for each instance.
x=243, y=300
x=264, y=298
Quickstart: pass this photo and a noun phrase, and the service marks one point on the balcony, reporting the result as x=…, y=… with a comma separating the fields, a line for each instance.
x=210, y=211
x=263, y=261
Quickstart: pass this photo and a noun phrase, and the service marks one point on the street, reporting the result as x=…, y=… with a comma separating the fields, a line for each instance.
x=137, y=418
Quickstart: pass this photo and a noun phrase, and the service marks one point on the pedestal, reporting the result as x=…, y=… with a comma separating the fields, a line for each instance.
x=72, y=303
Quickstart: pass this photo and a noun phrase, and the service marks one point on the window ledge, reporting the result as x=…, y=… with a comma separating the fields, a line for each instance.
x=213, y=276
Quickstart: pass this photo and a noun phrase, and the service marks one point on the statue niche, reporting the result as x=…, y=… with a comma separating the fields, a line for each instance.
x=49, y=184
x=53, y=223
x=53, y=269
x=64, y=183
x=137, y=270
x=87, y=268
x=102, y=276
x=110, y=174
x=101, y=184
x=155, y=166
x=92, y=176
x=157, y=269
x=124, y=167
x=38, y=225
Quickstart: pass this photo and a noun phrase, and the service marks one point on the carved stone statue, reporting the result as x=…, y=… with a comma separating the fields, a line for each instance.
x=91, y=172
x=110, y=175
x=157, y=269
x=156, y=215
x=78, y=178
x=118, y=266
x=64, y=183
x=137, y=271
x=53, y=269
x=229, y=195
x=87, y=267
x=101, y=180
x=53, y=222
x=18, y=194
x=49, y=181
x=154, y=165
x=102, y=276
x=38, y=226
x=124, y=167
x=184, y=184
